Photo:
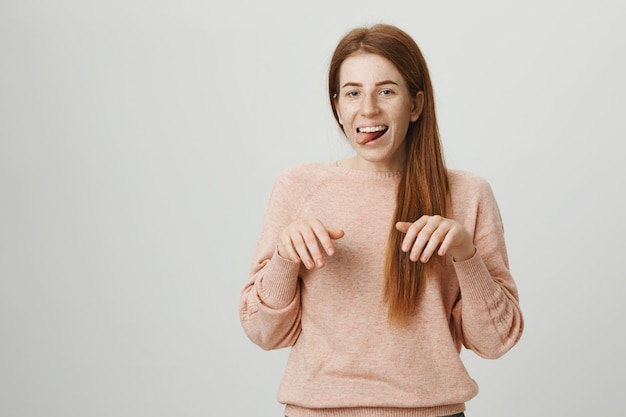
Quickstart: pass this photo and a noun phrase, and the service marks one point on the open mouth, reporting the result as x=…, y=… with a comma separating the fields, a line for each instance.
x=371, y=129
x=370, y=133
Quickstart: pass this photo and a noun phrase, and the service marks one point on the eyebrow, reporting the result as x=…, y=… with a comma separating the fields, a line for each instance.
x=378, y=84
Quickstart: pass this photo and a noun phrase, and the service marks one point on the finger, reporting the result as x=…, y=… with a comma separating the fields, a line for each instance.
x=437, y=237
x=453, y=239
x=334, y=234
x=403, y=226
x=411, y=233
x=286, y=249
x=313, y=236
x=325, y=237
x=445, y=245
x=421, y=241
x=302, y=250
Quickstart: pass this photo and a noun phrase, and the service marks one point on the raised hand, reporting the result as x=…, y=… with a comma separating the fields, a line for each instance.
x=435, y=234
x=307, y=241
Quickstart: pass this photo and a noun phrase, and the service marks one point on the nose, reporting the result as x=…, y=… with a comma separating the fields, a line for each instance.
x=369, y=105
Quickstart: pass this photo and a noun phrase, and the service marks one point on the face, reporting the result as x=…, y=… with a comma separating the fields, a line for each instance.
x=375, y=108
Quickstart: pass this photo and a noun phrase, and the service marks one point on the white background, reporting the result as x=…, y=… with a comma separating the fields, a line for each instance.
x=139, y=141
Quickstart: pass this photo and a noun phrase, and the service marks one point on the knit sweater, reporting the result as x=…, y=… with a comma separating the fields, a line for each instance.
x=346, y=359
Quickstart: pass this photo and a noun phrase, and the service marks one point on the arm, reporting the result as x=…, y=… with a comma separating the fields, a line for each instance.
x=270, y=300
x=487, y=317
x=270, y=303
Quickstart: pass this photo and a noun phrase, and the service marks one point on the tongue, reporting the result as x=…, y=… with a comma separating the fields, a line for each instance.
x=362, y=138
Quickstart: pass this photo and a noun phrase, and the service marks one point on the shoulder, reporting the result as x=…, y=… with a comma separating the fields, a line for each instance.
x=468, y=189
x=305, y=171
x=300, y=179
x=305, y=174
x=473, y=202
x=467, y=183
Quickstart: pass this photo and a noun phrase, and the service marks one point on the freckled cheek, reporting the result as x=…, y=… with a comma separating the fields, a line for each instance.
x=346, y=115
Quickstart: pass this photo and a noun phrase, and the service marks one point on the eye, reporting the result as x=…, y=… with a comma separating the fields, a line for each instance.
x=386, y=92
x=352, y=94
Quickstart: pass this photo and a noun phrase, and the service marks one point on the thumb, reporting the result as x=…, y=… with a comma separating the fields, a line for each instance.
x=335, y=233
x=403, y=226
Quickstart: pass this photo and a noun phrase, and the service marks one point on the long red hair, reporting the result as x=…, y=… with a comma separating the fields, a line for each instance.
x=423, y=189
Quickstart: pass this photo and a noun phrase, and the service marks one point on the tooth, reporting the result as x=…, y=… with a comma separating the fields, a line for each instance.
x=372, y=129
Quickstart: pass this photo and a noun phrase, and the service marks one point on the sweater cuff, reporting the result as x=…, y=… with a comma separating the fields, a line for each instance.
x=278, y=285
x=475, y=280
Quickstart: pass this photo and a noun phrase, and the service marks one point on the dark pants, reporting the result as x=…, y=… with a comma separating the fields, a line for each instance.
x=451, y=415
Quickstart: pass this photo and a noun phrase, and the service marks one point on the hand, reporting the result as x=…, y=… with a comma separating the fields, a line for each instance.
x=301, y=241
x=428, y=233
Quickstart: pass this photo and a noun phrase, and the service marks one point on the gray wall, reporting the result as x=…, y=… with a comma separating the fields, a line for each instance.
x=139, y=141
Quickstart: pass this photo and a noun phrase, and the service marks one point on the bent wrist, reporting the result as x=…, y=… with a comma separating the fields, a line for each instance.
x=463, y=254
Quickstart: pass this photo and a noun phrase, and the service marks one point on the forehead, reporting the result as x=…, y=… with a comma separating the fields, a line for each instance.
x=364, y=68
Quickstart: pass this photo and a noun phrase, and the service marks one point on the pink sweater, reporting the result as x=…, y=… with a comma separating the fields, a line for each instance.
x=345, y=359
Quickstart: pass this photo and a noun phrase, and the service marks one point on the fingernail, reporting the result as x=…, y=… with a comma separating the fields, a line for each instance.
x=330, y=251
x=320, y=263
x=308, y=264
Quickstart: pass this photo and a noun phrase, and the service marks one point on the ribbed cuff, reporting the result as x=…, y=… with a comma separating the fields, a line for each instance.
x=279, y=282
x=295, y=411
x=475, y=280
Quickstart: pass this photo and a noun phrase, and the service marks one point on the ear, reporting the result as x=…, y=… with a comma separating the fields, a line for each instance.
x=417, y=106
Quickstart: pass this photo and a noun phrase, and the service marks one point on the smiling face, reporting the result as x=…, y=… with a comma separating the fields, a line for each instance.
x=374, y=108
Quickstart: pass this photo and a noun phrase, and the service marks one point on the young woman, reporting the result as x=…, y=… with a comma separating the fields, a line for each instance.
x=377, y=269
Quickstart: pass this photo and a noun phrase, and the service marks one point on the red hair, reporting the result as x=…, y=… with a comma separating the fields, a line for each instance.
x=423, y=189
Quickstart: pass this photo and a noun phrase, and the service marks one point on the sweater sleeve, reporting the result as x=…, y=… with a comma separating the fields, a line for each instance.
x=269, y=306
x=487, y=316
